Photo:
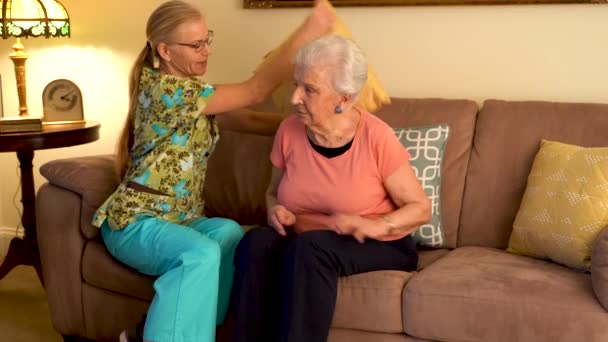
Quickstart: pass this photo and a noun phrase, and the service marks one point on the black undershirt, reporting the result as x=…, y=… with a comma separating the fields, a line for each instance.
x=331, y=152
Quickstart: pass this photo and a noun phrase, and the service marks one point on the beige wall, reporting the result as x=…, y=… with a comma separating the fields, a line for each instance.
x=549, y=52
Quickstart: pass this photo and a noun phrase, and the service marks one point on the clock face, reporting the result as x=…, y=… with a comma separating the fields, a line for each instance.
x=62, y=101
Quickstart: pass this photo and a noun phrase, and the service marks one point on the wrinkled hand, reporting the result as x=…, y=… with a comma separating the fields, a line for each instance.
x=323, y=16
x=345, y=224
x=279, y=217
x=360, y=227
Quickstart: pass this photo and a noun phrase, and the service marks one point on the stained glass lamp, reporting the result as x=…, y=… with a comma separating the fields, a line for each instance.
x=30, y=19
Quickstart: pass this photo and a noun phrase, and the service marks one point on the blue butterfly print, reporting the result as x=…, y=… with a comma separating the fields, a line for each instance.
x=159, y=130
x=177, y=99
x=186, y=164
x=150, y=146
x=138, y=160
x=165, y=207
x=179, y=189
x=144, y=100
x=207, y=91
x=143, y=179
x=179, y=140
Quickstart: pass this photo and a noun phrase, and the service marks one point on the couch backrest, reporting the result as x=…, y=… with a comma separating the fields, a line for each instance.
x=237, y=177
x=460, y=115
x=507, y=138
x=239, y=170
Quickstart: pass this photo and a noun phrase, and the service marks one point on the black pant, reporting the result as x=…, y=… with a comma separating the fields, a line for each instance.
x=285, y=287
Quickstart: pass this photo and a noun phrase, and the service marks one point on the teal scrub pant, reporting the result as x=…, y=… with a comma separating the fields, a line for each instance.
x=195, y=268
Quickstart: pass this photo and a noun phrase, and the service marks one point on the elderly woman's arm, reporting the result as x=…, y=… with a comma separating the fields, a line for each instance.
x=414, y=206
x=414, y=209
x=280, y=217
x=277, y=215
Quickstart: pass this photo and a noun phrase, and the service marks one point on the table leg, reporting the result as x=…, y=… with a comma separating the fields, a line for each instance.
x=24, y=251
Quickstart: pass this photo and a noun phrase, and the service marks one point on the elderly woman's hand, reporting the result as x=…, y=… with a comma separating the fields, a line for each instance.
x=279, y=217
x=360, y=227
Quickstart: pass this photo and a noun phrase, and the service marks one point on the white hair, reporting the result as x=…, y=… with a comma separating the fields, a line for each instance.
x=348, y=65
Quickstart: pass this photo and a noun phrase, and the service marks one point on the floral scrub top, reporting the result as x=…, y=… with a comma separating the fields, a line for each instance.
x=172, y=144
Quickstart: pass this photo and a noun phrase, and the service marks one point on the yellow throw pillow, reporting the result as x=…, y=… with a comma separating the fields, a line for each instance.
x=371, y=97
x=565, y=205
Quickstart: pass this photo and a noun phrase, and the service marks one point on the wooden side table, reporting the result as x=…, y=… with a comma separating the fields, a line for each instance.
x=24, y=251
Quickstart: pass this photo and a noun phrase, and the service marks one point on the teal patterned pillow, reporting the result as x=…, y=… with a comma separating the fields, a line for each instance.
x=426, y=145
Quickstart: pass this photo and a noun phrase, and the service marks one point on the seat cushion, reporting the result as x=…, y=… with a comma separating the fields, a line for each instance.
x=352, y=335
x=371, y=301
x=485, y=294
x=101, y=270
x=427, y=256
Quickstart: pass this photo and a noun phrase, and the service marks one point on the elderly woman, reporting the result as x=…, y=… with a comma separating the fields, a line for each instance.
x=343, y=200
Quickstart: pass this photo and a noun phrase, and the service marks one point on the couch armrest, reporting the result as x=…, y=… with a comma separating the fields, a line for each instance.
x=93, y=178
x=61, y=246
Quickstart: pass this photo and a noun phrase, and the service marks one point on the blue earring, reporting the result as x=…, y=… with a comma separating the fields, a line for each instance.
x=338, y=109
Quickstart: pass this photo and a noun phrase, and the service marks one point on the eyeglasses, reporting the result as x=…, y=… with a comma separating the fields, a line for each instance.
x=199, y=45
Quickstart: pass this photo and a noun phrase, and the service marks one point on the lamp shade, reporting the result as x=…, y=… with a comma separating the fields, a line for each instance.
x=34, y=18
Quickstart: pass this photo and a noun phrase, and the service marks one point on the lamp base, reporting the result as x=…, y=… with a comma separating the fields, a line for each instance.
x=18, y=124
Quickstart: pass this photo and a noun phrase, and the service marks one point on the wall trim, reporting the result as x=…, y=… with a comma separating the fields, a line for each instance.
x=10, y=231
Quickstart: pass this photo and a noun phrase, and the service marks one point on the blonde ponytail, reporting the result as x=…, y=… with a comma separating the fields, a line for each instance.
x=125, y=142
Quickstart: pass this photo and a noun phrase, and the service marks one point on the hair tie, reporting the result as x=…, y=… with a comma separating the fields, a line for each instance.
x=155, y=59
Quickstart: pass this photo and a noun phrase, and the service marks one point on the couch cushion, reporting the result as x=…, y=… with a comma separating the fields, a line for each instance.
x=599, y=268
x=565, y=205
x=426, y=146
x=353, y=335
x=371, y=301
x=237, y=177
x=429, y=256
x=101, y=270
x=485, y=294
x=93, y=178
x=460, y=116
x=507, y=137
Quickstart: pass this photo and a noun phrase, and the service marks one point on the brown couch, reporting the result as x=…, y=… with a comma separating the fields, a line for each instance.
x=472, y=291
